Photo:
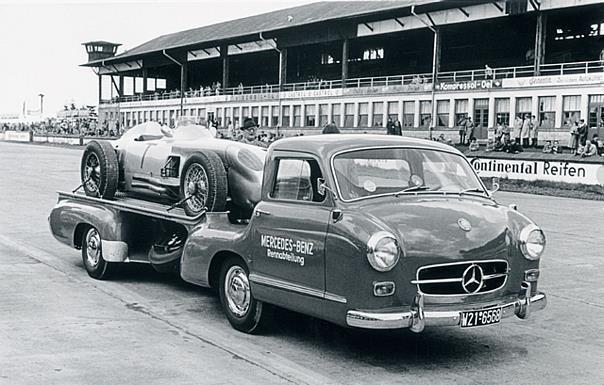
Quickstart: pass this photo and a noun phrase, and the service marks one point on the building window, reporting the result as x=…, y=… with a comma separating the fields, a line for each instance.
x=363, y=115
x=524, y=107
x=373, y=54
x=336, y=111
x=571, y=109
x=245, y=113
x=393, y=111
x=408, y=114
x=349, y=115
x=425, y=113
x=309, y=115
x=323, y=114
x=547, y=111
x=502, y=111
x=255, y=113
x=219, y=116
x=378, y=114
x=285, y=116
x=274, y=116
x=227, y=116
x=265, y=117
x=236, y=118
x=596, y=111
x=297, y=116
x=461, y=111
x=442, y=113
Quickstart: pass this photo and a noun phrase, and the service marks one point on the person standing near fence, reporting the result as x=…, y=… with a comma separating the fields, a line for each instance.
x=526, y=128
x=574, y=137
x=517, y=128
x=534, y=131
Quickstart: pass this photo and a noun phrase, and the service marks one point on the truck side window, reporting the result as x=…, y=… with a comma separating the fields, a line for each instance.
x=297, y=180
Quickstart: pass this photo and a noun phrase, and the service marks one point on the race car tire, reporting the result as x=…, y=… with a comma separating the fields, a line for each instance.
x=243, y=311
x=99, y=170
x=204, y=177
x=92, y=255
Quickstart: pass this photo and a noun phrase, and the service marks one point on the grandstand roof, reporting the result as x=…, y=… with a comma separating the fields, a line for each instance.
x=272, y=21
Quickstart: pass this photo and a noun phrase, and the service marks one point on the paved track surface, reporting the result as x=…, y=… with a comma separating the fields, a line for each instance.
x=57, y=326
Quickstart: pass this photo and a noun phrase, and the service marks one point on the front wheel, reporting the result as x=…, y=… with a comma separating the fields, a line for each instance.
x=203, y=183
x=92, y=255
x=243, y=311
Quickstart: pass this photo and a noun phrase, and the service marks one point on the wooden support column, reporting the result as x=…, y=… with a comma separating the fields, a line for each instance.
x=224, y=55
x=144, y=81
x=183, y=78
x=120, y=90
x=345, y=49
x=282, y=67
x=540, y=36
x=100, y=88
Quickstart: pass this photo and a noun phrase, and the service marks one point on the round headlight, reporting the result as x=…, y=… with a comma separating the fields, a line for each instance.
x=532, y=242
x=382, y=251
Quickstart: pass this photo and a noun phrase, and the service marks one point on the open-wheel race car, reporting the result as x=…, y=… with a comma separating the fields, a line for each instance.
x=187, y=166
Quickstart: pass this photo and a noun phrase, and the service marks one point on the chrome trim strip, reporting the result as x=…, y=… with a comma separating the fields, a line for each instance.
x=444, y=280
x=491, y=276
x=280, y=284
x=418, y=147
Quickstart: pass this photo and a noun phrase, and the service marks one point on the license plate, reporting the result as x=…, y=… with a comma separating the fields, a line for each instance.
x=470, y=319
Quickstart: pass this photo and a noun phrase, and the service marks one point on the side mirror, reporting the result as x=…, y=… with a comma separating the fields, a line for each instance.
x=494, y=185
x=322, y=187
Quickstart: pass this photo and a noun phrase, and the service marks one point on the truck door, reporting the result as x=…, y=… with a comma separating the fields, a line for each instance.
x=289, y=228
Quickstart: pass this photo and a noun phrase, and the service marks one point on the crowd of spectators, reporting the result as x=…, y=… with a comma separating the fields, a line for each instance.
x=65, y=127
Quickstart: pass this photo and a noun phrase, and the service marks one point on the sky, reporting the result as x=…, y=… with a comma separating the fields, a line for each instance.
x=40, y=41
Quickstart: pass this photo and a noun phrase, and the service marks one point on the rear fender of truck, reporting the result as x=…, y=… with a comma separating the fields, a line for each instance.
x=69, y=220
x=208, y=245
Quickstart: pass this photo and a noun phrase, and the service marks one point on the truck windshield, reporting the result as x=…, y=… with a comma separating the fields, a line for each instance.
x=398, y=171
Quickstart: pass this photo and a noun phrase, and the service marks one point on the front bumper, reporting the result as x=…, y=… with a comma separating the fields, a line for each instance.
x=418, y=316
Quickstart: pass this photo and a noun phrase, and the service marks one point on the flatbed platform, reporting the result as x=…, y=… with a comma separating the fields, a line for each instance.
x=134, y=205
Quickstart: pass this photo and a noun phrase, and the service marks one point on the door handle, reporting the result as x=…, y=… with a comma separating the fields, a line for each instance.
x=260, y=212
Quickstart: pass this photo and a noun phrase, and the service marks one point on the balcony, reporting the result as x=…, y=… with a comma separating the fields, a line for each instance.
x=587, y=67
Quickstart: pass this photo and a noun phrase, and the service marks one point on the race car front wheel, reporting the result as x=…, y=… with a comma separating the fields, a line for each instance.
x=92, y=255
x=243, y=311
x=99, y=170
x=203, y=184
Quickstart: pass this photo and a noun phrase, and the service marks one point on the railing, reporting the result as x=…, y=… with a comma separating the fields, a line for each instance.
x=382, y=81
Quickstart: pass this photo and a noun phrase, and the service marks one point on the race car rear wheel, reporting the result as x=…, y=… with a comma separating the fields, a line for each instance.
x=203, y=183
x=243, y=311
x=99, y=170
x=92, y=255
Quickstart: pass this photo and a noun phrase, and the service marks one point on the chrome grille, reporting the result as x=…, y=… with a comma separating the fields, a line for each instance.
x=462, y=278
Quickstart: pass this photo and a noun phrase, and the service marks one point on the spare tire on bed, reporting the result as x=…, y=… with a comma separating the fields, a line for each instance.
x=99, y=170
x=204, y=182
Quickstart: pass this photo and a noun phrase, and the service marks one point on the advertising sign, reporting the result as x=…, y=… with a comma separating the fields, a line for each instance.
x=560, y=80
x=550, y=170
x=469, y=85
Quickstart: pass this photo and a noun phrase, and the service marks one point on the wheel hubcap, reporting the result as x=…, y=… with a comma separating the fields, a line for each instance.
x=92, y=172
x=196, y=187
x=93, y=248
x=237, y=290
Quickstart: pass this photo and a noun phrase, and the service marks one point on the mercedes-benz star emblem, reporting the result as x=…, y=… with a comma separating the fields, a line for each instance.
x=472, y=279
x=464, y=224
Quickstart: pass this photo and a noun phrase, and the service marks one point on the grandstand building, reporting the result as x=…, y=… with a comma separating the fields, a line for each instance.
x=426, y=63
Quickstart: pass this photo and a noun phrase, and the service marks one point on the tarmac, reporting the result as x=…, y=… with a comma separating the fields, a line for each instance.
x=58, y=326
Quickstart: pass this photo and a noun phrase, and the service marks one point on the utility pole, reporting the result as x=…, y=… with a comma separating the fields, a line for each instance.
x=41, y=104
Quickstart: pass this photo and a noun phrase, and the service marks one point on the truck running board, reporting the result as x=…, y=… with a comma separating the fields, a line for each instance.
x=138, y=206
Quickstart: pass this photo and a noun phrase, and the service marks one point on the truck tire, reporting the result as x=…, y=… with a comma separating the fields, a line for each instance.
x=92, y=255
x=99, y=169
x=243, y=311
x=204, y=180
